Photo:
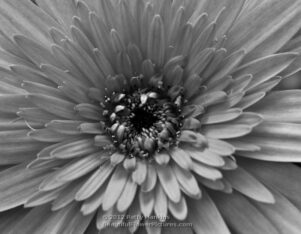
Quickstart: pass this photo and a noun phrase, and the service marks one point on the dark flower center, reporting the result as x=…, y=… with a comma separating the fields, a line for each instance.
x=143, y=120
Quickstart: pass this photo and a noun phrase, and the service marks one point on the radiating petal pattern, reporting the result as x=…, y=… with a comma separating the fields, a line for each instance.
x=149, y=116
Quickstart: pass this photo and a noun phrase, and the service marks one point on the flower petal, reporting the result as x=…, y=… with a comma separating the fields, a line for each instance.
x=94, y=202
x=97, y=179
x=245, y=183
x=67, y=195
x=156, y=41
x=206, y=157
x=274, y=14
x=160, y=206
x=115, y=187
x=178, y=210
x=74, y=149
x=140, y=173
x=54, y=105
x=265, y=68
x=18, y=184
x=220, y=117
x=278, y=214
x=226, y=131
x=219, y=147
x=182, y=158
x=206, y=171
x=187, y=182
x=147, y=202
x=281, y=106
x=78, y=168
x=64, y=126
x=10, y=103
x=277, y=142
x=280, y=176
x=209, y=222
x=250, y=221
x=127, y=196
x=169, y=183
x=27, y=19
x=151, y=179
x=162, y=158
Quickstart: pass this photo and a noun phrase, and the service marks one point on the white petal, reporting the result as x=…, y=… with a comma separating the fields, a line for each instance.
x=97, y=179
x=127, y=196
x=160, y=207
x=277, y=142
x=147, y=202
x=209, y=222
x=169, y=183
x=179, y=210
x=250, y=221
x=182, y=158
x=282, y=106
x=187, y=182
x=245, y=183
x=115, y=187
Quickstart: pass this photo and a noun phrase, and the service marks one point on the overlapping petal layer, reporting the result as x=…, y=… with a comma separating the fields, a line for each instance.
x=216, y=60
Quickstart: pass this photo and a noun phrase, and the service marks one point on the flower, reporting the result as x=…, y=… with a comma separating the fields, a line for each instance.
x=160, y=116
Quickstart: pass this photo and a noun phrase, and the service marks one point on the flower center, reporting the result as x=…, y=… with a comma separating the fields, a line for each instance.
x=143, y=120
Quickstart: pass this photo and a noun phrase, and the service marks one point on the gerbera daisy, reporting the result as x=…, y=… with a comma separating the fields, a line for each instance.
x=134, y=116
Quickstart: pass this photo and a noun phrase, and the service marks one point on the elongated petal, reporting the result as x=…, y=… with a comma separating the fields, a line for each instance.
x=281, y=106
x=273, y=65
x=147, y=201
x=206, y=171
x=187, y=182
x=64, y=126
x=18, y=184
x=245, y=183
x=220, y=147
x=209, y=222
x=242, y=37
x=67, y=195
x=160, y=206
x=250, y=221
x=115, y=187
x=179, y=210
x=277, y=141
x=10, y=103
x=127, y=196
x=281, y=176
x=277, y=213
x=26, y=18
x=74, y=149
x=156, y=41
x=79, y=168
x=206, y=157
x=151, y=179
x=220, y=117
x=96, y=180
x=169, y=183
x=182, y=158
x=35, y=51
x=53, y=105
x=94, y=202
x=140, y=173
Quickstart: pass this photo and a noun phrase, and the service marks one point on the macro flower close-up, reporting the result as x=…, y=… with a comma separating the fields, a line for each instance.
x=150, y=116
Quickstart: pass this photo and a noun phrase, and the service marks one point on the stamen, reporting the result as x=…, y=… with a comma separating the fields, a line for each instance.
x=145, y=120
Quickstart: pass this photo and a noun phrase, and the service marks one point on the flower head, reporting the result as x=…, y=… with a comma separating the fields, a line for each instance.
x=134, y=115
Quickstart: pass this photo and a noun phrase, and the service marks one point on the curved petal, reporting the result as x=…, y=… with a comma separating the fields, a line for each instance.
x=277, y=141
x=241, y=215
x=280, y=106
x=209, y=222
